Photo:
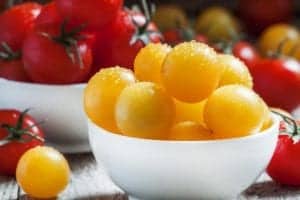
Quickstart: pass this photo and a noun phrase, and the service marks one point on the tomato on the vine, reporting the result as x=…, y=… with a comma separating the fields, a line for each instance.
x=284, y=165
x=277, y=81
x=120, y=42
x=18, y=133
x=57, y=57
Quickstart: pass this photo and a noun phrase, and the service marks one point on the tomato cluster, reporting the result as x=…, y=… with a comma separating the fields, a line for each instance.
x=274, y=63
x=66, y=41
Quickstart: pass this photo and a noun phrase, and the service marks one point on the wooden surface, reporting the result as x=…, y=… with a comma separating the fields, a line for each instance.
x=89, y=182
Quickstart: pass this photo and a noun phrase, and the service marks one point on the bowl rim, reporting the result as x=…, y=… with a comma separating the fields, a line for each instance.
x=33, y=84
x=275, y=122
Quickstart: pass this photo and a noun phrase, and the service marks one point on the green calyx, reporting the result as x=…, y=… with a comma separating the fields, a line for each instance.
x=7, y=54
x=292, y=129
x=16, y=132
x=69, y=39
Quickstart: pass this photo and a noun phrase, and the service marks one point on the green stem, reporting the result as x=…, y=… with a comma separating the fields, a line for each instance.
x=290, y=121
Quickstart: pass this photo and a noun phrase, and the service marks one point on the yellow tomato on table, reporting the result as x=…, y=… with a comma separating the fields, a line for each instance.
x=43, y=172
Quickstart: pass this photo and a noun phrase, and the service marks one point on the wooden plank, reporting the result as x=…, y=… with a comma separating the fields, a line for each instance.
x=8, y=188
x=89, y=182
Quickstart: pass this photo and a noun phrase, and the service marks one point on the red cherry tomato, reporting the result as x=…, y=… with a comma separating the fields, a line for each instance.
x=93, y=13
x=119, y=43
x=50, y=59
x=277, y=81
x=246, y=53
x=13, y=70
x=172, y=37
x=284, y=165
x=16, y=23
x=18, y=133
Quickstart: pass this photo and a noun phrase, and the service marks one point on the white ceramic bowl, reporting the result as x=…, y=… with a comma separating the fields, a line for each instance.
x=154, y=169
x=60, y=106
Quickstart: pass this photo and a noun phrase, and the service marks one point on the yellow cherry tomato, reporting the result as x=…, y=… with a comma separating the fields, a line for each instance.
x=190, y=72
x=235, y=71
x=145, y=110
x=149, y=60
x=189, y=111
x=217, y=24
x=189, y=130
x=233, y=111
x=169, y=17
x=101, y=93
x=295, y=51
x=43, y=172
x=274, y=35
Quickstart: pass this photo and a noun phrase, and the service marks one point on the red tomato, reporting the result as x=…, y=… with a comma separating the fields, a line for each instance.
x=17, y=22
x=284, y=165
x=54, y=60
x=243, y=50
x=119, y=43
x=177, y=36
x=172, y=37
x=258, y=15
x=11, y=65
x=18, y=133
x=13, y=70
x=277, y=81
x=48, y=18
x=94, y=13
x=246, y=53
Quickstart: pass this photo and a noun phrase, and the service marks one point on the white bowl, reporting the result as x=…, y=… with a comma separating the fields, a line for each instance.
x=154, y=169
x=59, y=106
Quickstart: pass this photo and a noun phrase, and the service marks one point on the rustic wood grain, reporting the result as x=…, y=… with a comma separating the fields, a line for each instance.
x=89, y=182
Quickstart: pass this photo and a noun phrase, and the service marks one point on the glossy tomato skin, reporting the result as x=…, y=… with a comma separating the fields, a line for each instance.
x=93, y=13
x=276, y=81
x=48, y=17
x=13, y=70
x=113, y=45
x=51, y=21
x=258, y=15
x=284, y=165
x=17, y=22
x=246, y=53
x=47, y=61
x=11, y=152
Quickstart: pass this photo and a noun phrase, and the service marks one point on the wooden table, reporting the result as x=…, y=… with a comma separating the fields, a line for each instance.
x=89, y=182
